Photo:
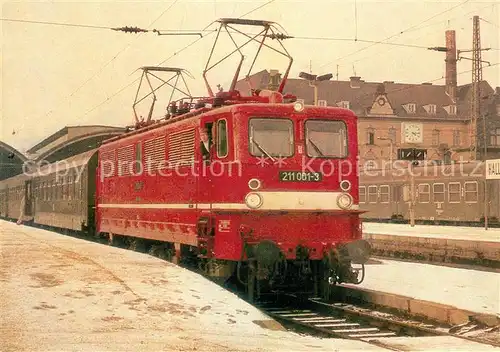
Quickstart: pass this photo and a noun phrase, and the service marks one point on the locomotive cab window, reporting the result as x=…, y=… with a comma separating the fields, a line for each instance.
x=222, y=138
x=271, y=137
x=326, y=139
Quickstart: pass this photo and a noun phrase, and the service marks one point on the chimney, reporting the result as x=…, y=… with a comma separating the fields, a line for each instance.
x=355, y=82
x=451, y=65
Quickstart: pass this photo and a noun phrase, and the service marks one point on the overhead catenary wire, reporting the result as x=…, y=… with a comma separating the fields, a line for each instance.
x=161, y=63
x=394, y=35
x=429, y=25
x=109, y=61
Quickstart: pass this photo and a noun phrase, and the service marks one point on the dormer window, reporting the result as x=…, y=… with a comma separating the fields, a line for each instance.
x=431, y=109
x=410, y=108
x=344, y=104
x=451, y=109
x=322, y=103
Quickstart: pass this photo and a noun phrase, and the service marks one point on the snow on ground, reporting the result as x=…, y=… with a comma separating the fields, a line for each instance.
x=59, y=294
x=430, y=231
x=477, y=291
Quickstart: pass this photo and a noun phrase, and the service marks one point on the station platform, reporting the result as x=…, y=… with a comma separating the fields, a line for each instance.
x=445, y=294
x=466, y=245
x=64, y=294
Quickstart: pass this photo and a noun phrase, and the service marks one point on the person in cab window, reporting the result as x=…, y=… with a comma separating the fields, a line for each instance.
x=205, y=144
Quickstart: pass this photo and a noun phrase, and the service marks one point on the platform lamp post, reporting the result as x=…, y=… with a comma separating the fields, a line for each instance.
x=313, y=82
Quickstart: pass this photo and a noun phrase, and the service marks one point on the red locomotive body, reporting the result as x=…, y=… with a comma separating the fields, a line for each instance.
x=280, y=184
x=257, y=188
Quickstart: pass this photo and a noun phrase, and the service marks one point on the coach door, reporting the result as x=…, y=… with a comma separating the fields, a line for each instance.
x=28, y=196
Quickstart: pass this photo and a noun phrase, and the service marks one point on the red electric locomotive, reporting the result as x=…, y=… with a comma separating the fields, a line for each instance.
x=261, y=188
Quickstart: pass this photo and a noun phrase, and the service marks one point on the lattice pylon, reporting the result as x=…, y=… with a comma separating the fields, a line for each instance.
x=475, y=100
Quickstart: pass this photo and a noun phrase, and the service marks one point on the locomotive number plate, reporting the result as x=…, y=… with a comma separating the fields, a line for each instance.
x=299, y=176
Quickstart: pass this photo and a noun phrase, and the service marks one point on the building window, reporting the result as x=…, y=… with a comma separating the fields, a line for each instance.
x=456, y=137
x=495, y=137
x=370, y=136
x=322, y=103
x=370, y=165
x=453, y=109
x=392, y=134
x=384, y=194
x=432, y=109
x=435, y=137
x=372, y=194
x=362, y=194
x=411, y=108
x=345, y=105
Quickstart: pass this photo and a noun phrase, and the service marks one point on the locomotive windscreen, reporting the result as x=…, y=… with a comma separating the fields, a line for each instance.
x=326, y=138
x=271, y=137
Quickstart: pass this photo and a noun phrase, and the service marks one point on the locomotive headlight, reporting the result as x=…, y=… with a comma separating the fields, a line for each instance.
x=298, y=106
x=344, y=201
x=253, y=200
x=345, y=185
x=254, y=184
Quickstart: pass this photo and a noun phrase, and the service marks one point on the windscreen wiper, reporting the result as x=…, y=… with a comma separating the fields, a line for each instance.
x=315, y=147
x=262, y=149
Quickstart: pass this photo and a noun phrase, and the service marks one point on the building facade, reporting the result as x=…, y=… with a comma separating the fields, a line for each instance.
x=394, y=116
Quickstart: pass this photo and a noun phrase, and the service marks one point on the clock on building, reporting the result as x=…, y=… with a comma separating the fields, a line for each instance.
x=412, y=132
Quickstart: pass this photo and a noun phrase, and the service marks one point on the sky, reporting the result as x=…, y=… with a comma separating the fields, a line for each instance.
x=55, y=76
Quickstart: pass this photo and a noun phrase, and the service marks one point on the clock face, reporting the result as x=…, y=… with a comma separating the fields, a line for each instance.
x=413, y=133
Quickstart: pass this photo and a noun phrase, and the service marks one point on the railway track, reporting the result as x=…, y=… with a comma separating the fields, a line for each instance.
x=349, y=321
x=339, y=320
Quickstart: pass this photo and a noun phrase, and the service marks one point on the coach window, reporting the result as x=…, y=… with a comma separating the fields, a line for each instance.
x=362, y=194
x=454, y=192
x=222, y=138
x=65, y=188
x=271, y=137
x=470, y=190
x=384, y=194
x=372, y=194
x=424, y=193
x=326, y=139
x=396, y=193
x=438, y=192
